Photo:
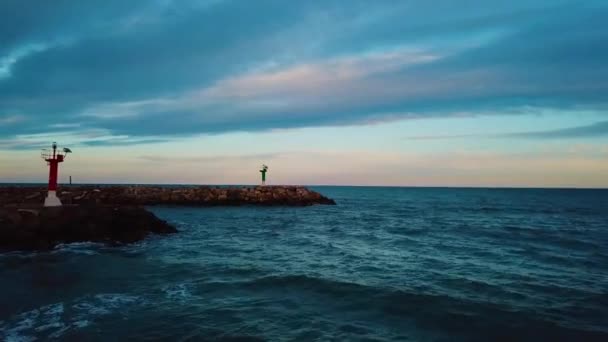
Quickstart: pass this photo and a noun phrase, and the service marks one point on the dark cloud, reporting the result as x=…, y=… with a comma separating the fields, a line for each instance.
x=42, y=21
x=64, y=60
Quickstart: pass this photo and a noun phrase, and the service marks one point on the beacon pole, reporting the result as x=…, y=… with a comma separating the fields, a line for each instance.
x=263, y=171
x=53, y=158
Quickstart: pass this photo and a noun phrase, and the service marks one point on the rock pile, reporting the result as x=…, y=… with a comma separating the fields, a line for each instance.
x=158, y=195
x=44, y=228
x=115, y=214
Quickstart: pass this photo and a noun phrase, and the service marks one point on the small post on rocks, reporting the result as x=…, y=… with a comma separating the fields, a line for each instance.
x=263, y=171
x=53, y=158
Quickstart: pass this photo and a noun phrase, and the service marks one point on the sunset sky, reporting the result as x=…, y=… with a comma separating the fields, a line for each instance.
x=345, y=92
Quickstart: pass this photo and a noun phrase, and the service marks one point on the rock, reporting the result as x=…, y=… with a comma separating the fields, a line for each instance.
x=34, y=195
x=83, y=195
x=44, y=229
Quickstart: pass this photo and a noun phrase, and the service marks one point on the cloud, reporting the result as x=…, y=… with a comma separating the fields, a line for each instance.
x=123, y=141
x=598, y=129
x=212, y=159
x=11, y=120
x=74, y=136
x=448, y=136
x=159, y=70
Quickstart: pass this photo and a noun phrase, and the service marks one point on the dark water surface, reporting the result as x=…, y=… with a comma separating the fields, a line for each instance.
x=385, y=264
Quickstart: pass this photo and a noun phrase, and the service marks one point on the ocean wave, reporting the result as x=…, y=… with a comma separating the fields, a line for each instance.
x=26, y=326
x=181, y=292
x=455, y=314
x=87, y=248
x=453, y=265
x=54, y=320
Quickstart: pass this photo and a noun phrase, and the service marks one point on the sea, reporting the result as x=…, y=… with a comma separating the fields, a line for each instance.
x=384, y=264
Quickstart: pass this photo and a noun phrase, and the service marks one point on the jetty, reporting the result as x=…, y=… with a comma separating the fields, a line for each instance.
x=283, y=195
x=39, y=218
x=118, y=214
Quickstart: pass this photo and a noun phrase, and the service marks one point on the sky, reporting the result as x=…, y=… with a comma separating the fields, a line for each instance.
x=325, y=92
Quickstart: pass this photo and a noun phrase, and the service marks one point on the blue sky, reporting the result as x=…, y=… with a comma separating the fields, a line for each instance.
x=455, y=93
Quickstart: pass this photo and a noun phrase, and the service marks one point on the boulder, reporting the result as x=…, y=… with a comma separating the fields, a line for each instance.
x=46, y=227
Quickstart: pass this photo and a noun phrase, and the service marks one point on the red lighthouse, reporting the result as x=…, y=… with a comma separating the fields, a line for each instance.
x=53, y=159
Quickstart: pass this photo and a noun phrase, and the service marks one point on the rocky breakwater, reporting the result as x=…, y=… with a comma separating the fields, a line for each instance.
x=44, y=228
x=158, y=195
x=115, y=214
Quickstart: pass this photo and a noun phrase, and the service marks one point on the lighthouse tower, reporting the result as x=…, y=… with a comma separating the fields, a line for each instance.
x=53, y=158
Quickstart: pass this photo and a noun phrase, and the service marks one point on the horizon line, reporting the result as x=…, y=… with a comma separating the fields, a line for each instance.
x=333, y=185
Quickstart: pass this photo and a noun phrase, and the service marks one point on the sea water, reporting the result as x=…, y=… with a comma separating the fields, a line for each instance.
x=384, y=264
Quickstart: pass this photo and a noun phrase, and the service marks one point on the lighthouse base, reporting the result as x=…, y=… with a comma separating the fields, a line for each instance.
x=52, y=200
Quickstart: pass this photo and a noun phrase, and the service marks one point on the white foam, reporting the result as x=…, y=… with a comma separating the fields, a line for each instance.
x=104, y=304
x=115, y=300
x=50, y=321
x=60, y=332
x=81, y=324
x=52, y=310
x=90, y=309
x=49, y=326
x=24, y=321
x=18, y=254
x=88, y=248
x=49, y=317
x=180, y=292
x=10, y=337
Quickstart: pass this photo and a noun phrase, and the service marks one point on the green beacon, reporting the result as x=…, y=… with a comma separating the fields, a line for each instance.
x=263, y=171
